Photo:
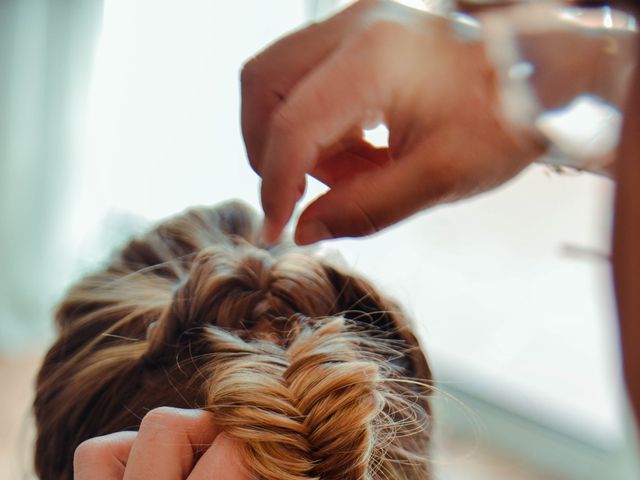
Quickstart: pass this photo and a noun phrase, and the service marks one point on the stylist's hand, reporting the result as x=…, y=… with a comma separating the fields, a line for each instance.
x=306, y=98
x=172, y=444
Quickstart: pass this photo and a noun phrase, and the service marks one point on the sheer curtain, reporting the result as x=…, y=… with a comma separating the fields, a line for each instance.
x=45, y=58
x=105, y=115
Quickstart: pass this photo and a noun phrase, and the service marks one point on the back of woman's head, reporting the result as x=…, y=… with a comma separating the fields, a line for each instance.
x=316, y=373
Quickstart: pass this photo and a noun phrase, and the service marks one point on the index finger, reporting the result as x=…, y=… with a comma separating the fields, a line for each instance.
x=269, y=77
x=340, y=94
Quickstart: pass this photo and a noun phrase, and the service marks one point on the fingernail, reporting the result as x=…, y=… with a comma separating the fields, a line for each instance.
x=311, y=232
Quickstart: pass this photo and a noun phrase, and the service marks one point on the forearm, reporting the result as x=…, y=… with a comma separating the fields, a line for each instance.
x=626, y=251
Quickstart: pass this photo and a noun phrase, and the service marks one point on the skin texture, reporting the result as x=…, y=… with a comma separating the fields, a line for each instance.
x=171, y=444
x=293, y=126
x=626, y=242
x=306, y=98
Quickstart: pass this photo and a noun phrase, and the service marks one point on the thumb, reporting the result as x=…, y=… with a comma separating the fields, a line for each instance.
x=376, y=199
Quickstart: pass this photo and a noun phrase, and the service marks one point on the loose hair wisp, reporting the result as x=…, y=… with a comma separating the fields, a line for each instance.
x=314, y=371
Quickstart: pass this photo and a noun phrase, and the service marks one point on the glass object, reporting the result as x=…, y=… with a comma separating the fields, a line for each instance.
x=564, y=74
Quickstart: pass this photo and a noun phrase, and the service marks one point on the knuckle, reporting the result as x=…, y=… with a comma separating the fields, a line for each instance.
x=381, y=31
x=249, y=74
x=377, y=46
x=446, y=180
x=161, y=418
x=283, y=120
x=90, y=452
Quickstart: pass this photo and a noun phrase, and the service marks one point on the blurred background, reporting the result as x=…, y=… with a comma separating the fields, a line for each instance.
x=117, y=113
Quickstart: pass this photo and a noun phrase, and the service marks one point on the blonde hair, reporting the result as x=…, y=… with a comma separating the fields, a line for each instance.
x=317, y=374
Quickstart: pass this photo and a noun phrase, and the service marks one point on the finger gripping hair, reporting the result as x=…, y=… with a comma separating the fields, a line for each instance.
x=316, y=372
x=315, y=410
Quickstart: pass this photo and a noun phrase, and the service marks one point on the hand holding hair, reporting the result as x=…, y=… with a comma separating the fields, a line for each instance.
x=312, y=372
x=307, y=97
x=171, y=444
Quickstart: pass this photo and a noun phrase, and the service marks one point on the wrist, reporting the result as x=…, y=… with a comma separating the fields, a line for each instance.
x=561, y=80
x=495, y=60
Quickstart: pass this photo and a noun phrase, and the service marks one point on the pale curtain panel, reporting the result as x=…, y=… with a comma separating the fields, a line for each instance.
x=45, y=61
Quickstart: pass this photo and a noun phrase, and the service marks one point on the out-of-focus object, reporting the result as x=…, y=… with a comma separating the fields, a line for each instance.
x=564, y=74
x=46, y=49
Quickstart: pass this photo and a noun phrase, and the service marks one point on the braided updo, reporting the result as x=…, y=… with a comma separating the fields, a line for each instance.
x=308, y=366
